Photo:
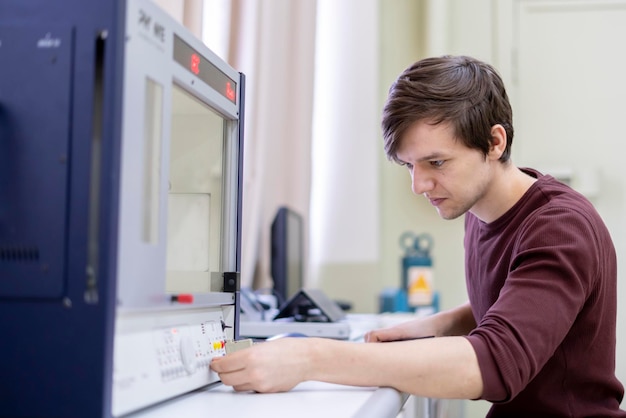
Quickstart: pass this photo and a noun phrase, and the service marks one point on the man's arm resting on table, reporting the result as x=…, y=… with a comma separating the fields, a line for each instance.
x=444, y=367
x=456, y=321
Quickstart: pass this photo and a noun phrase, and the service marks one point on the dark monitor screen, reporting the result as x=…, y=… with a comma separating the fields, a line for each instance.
x=287, y=252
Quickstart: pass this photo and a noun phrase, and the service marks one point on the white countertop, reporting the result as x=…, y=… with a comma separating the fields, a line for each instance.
x=307, y=400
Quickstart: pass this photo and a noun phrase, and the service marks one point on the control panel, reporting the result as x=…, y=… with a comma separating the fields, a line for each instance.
x=160, y=354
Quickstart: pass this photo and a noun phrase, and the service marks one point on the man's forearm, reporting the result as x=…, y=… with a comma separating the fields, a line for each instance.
x=444, y=367
x=456, y=321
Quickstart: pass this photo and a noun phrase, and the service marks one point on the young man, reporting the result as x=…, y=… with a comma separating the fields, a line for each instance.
x=537, y=337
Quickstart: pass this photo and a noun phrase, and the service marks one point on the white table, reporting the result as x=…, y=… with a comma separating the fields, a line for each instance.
x=307, y=400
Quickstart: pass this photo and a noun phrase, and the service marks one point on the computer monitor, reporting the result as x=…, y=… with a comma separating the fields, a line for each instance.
x=287, y=253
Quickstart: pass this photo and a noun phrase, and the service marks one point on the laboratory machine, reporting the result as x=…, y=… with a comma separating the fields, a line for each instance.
x=120, y=208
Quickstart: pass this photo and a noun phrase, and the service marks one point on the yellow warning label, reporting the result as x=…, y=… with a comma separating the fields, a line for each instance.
x=420, y=286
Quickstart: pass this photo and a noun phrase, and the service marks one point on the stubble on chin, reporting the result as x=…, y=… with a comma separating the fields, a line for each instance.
x=451, y=213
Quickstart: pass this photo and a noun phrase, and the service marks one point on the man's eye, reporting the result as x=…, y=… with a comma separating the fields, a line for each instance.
x=437, y=163
x=409, y=166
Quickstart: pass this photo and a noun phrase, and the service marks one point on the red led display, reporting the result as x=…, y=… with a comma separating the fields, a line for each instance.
x=204, y=69
x=195, y=64
x=230, y=93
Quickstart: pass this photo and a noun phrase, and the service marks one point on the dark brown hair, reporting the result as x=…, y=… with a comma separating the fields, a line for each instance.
x=463, y=91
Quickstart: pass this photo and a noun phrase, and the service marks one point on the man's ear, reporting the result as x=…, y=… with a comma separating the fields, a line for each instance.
x=498, y=141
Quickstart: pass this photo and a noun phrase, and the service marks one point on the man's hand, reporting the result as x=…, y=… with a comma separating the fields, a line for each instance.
x=418, y=328
x=275, y=366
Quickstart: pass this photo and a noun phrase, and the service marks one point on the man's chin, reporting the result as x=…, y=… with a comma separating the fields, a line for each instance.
x=447, y=215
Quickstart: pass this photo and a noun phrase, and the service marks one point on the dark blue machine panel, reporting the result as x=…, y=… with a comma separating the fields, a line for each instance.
x=35, y=94
x=61, y=68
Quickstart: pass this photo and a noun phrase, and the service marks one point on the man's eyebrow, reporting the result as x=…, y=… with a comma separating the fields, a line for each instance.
x=433, y=156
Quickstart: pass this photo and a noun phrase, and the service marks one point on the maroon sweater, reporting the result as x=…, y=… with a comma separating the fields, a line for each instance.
x=542, y=285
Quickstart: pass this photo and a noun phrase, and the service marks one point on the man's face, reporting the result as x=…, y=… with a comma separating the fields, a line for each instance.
x=454, y=178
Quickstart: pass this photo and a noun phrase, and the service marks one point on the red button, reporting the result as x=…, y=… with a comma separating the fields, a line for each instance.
x=184, y=298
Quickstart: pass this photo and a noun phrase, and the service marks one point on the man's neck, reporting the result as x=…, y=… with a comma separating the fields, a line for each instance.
x=506, y=190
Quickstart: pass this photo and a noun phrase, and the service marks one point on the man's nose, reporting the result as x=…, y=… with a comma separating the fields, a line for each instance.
x=420, y=182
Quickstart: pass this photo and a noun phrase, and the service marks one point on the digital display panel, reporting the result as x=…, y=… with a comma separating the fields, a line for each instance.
x=198, y=65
